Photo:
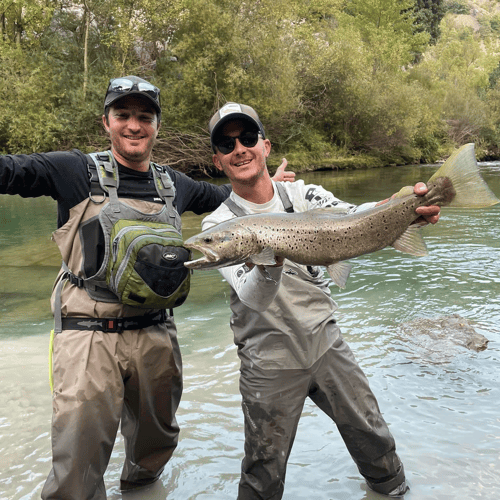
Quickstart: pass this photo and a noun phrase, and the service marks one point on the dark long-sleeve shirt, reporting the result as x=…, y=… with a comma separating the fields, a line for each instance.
x=64, y=177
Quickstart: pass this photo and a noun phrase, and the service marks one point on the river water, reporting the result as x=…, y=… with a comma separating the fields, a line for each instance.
x=440, y=400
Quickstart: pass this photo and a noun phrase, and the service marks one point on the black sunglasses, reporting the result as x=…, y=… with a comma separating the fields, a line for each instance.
x=124, y=85
x=226, y=144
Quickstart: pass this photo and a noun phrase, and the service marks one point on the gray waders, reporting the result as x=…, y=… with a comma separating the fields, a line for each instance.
x=292, y=351
x=112, y=363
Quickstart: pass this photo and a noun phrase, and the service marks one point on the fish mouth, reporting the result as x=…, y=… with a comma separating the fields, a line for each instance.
x=206, y=263
x=210, y=258
x=203, y=262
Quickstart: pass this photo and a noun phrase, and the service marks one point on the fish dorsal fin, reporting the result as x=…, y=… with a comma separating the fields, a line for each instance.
x=411, y=242
x=339, y=272
x=462, y=169
x=264, y=258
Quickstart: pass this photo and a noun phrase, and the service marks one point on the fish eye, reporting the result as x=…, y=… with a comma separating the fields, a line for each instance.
x=207, y=239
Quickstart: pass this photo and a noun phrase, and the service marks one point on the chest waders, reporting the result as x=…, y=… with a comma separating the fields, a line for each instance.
x=270, y=339
x=143, y=262
x=340, y=389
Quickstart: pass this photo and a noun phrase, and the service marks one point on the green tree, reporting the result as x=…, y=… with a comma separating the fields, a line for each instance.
x=22, y=22
x=458, y=68
x=429, y=14
x=240, y=52
x=356, y=90
x=390, y=28
x=28, y=109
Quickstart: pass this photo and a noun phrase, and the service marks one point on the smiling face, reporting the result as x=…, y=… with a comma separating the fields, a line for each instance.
x=132, y=126
x=245, y=167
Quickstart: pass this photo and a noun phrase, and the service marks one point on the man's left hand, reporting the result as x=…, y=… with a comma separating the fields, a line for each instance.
x=430, y=213
x=282, y=175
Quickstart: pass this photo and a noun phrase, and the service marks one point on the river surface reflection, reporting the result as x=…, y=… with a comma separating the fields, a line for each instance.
x=440, y=400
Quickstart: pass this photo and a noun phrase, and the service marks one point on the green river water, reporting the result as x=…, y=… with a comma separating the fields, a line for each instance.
x=440, y=400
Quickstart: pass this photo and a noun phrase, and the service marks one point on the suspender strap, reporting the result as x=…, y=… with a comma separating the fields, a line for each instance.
x=163, y=183
x=235, y=208
x=107, y=174
x=57, y=302
x=239, y=211
x=284, y=197
x=95, y=185
x=103, y=174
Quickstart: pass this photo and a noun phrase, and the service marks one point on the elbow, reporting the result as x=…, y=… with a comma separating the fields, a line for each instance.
x=255, y=306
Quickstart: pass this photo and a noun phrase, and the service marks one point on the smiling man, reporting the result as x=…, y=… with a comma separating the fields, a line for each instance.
x=132, y=123
x=112, y=361
x=289, y=343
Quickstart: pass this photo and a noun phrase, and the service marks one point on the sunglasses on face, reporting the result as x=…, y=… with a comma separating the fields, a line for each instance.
x=226, y=144
x=124, y=85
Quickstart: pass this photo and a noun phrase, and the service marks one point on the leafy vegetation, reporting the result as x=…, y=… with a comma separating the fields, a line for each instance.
x=337, y=83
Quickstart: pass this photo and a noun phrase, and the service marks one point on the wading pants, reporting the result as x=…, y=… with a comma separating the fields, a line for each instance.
x=272, y=405
x=100, y=378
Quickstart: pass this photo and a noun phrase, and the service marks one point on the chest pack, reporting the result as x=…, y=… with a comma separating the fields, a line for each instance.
x=143, y=263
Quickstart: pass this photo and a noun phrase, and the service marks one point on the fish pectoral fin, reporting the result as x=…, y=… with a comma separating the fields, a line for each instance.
x=339, y=272
x=264, y=258
x=411, y=242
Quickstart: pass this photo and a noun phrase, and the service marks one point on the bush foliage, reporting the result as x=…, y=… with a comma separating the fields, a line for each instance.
x=336, y=82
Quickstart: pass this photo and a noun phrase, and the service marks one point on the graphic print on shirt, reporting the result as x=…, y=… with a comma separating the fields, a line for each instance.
x=321, y=198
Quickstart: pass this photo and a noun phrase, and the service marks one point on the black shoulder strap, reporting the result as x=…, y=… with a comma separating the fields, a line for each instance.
x=235, y=208
x=239, y=211
x=107, y=176
x=95, y=185
x=103, y=174
x=284, y=197
x=163, y=183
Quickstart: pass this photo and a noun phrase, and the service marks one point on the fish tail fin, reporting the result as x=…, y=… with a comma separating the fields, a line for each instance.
x=339, y=272
x=471, y=190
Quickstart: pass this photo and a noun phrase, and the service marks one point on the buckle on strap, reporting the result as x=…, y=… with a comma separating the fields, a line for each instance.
x=112, y=325
x=75, y=280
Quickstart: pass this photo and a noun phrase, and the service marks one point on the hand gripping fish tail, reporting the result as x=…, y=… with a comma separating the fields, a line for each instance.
x=323, y=237
x=461, y=169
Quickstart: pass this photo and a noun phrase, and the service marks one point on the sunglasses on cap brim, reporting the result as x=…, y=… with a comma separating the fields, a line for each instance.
x=124, y=85
x=226, y=144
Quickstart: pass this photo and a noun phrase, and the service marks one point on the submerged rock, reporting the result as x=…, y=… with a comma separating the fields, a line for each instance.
x=440, y=337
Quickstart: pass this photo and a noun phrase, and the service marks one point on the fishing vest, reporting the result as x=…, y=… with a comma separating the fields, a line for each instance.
x=128, y=256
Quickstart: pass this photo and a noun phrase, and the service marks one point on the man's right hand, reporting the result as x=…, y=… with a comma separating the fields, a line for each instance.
x=282, y=175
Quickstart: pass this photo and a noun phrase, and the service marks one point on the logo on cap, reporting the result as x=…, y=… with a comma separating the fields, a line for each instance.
x=229, y=108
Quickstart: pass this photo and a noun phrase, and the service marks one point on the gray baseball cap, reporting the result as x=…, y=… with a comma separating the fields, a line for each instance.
x=132, y=85
x=233, y=111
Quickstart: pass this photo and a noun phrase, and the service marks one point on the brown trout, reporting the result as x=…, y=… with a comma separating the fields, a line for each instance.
x=325, y=238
